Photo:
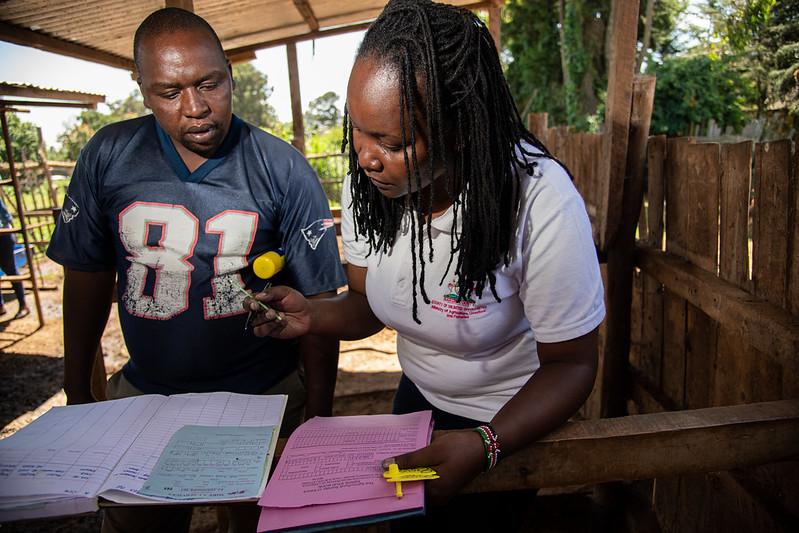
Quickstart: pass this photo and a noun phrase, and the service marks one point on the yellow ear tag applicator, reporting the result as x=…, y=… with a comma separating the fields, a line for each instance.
x=265, y=266
x=395, y=475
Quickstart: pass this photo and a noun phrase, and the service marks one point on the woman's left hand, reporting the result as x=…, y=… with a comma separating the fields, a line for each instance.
x=457, y=456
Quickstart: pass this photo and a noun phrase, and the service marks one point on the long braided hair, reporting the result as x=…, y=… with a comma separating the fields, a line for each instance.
x=448, y=67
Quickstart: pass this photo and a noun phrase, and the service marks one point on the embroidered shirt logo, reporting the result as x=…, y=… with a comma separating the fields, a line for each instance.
x=451, y=306
x=70, y=210
x=314, y=231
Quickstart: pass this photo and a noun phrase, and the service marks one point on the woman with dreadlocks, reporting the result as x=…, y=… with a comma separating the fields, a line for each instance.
x=463, y=234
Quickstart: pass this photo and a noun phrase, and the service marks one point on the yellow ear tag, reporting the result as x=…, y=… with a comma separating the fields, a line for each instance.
x=395, y=475
x=268, y=264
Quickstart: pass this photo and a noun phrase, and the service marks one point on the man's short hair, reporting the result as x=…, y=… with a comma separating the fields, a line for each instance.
x=170, y=20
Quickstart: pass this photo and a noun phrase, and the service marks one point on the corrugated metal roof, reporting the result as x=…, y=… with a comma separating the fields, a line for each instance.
x=102, y=30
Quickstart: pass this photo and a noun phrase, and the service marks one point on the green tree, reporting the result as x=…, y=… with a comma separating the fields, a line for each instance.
x=251, y=96
x=781, y=45
x=556, y=57
x=24, y=140
x=90, y=121
x=692, y=90
x=323, y=113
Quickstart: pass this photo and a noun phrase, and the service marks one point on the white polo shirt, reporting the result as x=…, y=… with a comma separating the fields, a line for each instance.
x=470, y=358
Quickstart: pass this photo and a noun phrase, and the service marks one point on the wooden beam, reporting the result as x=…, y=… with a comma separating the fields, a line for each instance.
x=22, y=36
x=495, y=25
x=30, y=91
x=298, y=38
x=307, y=13
x=624, y=28
x=621, y=251
x=770, y=329
x=28, y=103
x=241, y=58
x=188, y=5
x=298, y=122
x=649, y=446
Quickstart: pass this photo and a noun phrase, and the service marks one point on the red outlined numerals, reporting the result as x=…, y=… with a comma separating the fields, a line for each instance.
x=169, y=258
x=236, y=231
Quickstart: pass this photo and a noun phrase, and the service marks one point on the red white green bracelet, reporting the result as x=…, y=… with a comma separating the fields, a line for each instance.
x=490, y=445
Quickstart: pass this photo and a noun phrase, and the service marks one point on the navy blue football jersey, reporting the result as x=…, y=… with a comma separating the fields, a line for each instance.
x=181, y=243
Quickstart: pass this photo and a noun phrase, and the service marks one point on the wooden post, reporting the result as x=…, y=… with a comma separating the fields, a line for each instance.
x=620, y=254
x=21, y=214
x=624, y=25
x=298, y=126
x=495, y=25
x=46, y=169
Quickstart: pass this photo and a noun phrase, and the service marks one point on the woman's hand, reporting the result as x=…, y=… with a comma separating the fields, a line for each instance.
x=289, y=315
x=457, y=456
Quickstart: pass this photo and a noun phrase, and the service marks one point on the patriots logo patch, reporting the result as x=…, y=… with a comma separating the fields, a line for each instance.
x=70, y=210
x=314, y=232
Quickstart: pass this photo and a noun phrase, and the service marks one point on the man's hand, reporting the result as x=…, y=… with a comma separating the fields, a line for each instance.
x=289, y=316
x=457, y=456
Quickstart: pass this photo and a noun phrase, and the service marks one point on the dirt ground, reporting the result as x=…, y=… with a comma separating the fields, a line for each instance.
x=31, y=372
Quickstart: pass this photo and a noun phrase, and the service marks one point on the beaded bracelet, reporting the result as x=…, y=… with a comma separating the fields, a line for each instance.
x=490, y=445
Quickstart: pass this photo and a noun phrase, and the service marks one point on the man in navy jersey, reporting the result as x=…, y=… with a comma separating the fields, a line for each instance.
x=175, y=206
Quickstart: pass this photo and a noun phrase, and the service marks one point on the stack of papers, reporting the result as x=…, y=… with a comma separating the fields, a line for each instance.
x=194, y=448
x=330, y=473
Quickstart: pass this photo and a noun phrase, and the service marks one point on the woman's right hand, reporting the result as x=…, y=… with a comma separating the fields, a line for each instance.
x=289, y=315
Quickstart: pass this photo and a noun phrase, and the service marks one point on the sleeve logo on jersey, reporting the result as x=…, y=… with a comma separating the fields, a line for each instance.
x=314, y=231
x=70, y=210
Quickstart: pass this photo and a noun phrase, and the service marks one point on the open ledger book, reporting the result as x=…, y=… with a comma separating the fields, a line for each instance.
x=188, y=448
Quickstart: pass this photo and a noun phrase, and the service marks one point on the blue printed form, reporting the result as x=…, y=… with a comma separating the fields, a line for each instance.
x=212, y=463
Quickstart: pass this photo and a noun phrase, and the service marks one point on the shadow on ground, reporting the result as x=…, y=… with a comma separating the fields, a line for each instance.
x=30, y=380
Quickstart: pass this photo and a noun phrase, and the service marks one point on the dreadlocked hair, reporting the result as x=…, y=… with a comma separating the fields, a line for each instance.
x=446, y=54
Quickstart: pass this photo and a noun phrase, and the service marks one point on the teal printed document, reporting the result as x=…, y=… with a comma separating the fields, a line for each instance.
x=211, y=463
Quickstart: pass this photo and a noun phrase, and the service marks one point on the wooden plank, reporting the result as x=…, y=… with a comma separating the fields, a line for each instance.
x=674, y=340
x=765, y=326
x=651, y=445
x=298, y=127
x=188, y=5
x=652, y=328
x=676, y=194
x=772, y=205
x=732, y=379
x=702, y=172
x=700, y=354
x=537, y=124
x=495, y=25
x=25, y=37
x=307, y=14
x=656, y=158
x=620, y=251
x=790, y=382
x=710, y=502
x=636, y=318
x=624, y=24
x=736, y=177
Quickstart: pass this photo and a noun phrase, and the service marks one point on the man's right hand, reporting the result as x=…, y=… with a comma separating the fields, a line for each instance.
x=288, y=318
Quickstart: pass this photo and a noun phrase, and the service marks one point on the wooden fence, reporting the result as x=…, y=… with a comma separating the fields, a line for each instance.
x=714, y=313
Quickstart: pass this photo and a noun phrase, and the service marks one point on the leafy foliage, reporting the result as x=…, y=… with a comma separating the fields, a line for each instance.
x=90, y=121
x=323, y=113
x=24, y=140
x=693, y=90
x=251, y=97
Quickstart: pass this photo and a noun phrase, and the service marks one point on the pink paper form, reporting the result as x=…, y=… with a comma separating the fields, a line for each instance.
x=331, y=470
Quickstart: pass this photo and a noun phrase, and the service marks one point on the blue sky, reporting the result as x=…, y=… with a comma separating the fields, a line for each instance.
x=324, y=66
